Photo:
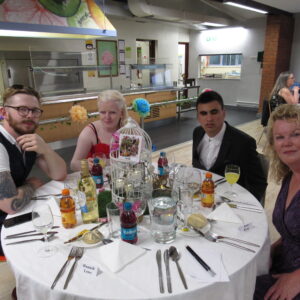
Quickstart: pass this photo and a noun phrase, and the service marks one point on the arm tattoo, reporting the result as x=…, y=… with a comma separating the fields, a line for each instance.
x=18, y=203
x=8, y=189
x=7, y=186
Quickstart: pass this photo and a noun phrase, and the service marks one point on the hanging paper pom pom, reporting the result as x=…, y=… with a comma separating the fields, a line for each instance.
x=78, y=113
x=141, y=106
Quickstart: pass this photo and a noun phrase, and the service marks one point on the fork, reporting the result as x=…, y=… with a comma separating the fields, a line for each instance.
x=214, y=235
x=61, y=271
x=210, y=238
x=78, y=255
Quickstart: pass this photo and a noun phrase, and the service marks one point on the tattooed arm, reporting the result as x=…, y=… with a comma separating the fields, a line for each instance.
x=13, y=199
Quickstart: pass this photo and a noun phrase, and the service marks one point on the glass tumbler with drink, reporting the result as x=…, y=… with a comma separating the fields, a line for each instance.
x=163, y=214
x=232, y=175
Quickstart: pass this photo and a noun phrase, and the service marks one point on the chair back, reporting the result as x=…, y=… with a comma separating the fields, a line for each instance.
x=265, y=114
x=265, y=166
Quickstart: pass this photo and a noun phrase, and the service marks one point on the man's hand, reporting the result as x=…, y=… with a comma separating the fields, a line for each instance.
x=286, y=287
x=33, y=142
x=34, y=182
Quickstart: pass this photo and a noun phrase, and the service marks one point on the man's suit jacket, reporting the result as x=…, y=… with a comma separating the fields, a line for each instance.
x=240, y=149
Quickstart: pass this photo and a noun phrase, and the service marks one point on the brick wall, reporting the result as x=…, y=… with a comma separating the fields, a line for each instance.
x=277, y=51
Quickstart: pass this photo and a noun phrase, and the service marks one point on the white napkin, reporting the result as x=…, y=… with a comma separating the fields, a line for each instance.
x=224, y=213
x=115, y=256
x=194, y=269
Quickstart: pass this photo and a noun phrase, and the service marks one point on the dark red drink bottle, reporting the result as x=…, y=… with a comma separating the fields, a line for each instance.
x=128, y=224
x=97, y=173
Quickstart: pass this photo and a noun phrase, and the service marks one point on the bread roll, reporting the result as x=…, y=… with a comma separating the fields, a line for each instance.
x=197, y=220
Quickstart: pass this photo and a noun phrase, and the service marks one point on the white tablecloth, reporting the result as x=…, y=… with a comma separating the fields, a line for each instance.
x=139, y=280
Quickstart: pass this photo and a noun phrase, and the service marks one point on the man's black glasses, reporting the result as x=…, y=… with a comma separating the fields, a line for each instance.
x=24, y=110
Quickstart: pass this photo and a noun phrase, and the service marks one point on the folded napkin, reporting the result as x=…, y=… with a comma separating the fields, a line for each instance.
x=193, y=269
x=115, y=256
x=224, y=213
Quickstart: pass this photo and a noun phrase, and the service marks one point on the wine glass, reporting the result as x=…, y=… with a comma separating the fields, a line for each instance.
x=42, y=220
x=232, y=175
x=194, y=180
x=185, y=204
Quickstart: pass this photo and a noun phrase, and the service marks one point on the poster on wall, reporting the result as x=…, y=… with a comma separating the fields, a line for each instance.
x=107, y=58
x=74, y=17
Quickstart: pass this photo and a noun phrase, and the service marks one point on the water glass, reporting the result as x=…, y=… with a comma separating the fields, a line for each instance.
x=113, y=217
x=163, y=214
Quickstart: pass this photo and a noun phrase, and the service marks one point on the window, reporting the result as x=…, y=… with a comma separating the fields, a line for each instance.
x=221, y=66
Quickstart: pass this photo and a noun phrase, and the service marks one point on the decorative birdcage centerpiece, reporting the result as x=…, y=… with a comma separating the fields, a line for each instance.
x=131, y=168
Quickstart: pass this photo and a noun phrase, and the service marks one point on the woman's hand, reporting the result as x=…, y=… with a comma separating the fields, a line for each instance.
x=286, y=287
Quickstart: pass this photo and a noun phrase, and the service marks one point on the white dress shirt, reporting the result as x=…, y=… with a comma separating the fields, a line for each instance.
x=209, y=148
x=4, y=158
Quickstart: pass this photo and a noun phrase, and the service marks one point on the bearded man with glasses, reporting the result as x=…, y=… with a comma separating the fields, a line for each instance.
x=20, y=149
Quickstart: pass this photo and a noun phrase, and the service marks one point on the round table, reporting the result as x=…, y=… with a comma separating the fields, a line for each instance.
x=139, y=279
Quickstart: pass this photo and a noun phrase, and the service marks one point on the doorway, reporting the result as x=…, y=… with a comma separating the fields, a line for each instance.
x=145, y=55
x=183, y=62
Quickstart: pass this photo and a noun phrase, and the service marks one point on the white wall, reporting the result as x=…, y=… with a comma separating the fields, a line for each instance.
x=246, y=90
x=295, y=57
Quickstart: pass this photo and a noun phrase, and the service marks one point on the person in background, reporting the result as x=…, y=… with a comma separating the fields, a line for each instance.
x=20, y=149
x=216, y=144
x=95, y=138
x=281, y=93
x=283, y=149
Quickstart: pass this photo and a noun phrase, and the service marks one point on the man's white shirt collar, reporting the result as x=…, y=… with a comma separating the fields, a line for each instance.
x=9, y=137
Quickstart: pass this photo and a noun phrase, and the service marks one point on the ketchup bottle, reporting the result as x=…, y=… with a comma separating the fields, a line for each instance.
x=128, y=224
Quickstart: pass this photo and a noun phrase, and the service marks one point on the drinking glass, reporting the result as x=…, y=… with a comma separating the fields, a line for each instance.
x=42, y=220
x=232, y=175
x=194, y=180
x=113, y=215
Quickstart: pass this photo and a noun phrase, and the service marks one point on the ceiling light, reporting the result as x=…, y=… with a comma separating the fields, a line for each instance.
x=246, y=7
x=213, y=24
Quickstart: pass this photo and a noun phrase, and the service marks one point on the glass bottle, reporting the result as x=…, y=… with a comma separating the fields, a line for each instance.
x=97, y=173
x=87, y=192
x=162, y=164
x=208, y=191
x=128, y=224
x=67, y=209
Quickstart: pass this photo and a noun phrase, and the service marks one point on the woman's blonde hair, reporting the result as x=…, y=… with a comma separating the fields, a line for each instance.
x=118, y=98
x=290, y=113
x=280, y=83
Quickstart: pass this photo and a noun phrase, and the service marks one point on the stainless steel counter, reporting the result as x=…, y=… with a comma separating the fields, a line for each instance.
x=94, y=94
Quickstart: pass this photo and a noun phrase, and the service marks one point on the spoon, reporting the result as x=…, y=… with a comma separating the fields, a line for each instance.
x=175, y=257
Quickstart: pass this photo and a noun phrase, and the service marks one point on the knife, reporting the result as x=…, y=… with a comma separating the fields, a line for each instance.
x=245, y=208
x=166, y=259
x=25, y=232
x=227, y=200
x=158, y=260
x=32, y=240
x=75, y=238
x=25, y=235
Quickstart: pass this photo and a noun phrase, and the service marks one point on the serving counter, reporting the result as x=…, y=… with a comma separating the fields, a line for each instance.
x=56, y=107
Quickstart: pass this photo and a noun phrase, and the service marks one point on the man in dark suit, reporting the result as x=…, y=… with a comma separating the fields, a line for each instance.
x=216, y=144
